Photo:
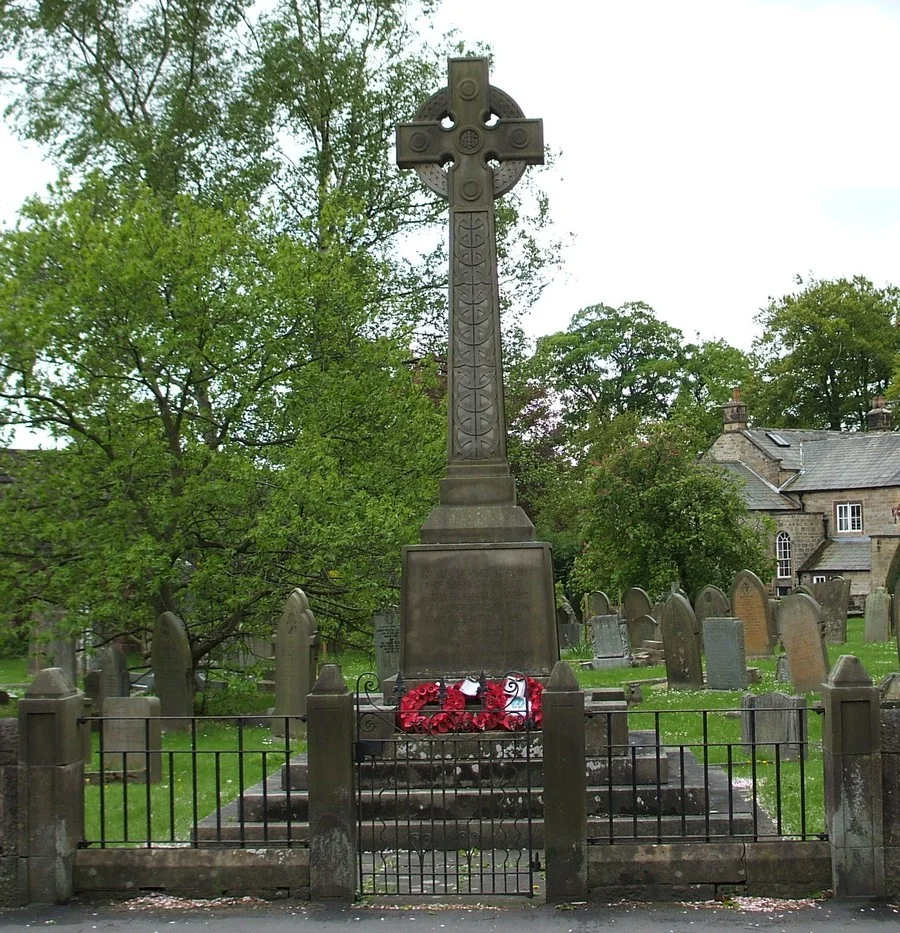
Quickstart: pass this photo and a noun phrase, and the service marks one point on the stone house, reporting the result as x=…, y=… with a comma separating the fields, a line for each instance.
x=834, y=497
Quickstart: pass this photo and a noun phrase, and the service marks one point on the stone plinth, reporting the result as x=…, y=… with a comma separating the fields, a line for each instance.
x=473, y=607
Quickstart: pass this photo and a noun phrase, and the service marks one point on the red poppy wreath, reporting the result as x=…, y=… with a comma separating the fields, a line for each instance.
x=498, y=708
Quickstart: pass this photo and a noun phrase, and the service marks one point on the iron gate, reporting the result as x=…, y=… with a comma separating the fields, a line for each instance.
x=445, y=803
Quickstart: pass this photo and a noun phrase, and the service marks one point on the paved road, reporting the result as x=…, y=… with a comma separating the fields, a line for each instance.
x=517, y=917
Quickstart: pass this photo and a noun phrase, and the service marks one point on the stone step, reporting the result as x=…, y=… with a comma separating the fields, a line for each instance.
x=451, y=835
x=642, y=766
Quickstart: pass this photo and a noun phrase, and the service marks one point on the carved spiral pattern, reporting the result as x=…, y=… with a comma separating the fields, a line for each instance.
x=477, y=430
x=436, y=108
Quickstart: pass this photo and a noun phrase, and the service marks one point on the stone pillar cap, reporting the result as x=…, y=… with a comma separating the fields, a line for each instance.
x=50, y=683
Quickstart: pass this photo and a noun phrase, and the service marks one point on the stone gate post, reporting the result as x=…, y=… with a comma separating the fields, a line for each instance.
x=51, y=785
x=565, y=787
x=330, y=724
x=851, y=745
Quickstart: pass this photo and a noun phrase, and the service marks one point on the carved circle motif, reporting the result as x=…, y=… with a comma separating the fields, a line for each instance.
x=418, y=142
x=471, y=190
x=468, y=89
x=518, y=138
x=469, y=139
x=436, y=108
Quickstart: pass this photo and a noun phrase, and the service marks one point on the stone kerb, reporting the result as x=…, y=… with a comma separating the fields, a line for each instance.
x=565, y=787
x=51, y=785
x=851, y=746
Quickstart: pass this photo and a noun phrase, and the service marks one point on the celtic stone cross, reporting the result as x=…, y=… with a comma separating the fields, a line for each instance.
x=483, y=133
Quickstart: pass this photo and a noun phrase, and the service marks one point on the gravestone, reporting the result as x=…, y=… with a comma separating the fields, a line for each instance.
x=774, y=719
x=711, y=603
x=609, y=648
x=641, y=629
x=800, y=623
x=726, y=659
x=782, y=669
x=878, y=616
x=113, y=665
x=386, y=625
x=750, y=604
x=131, y=735
x=598, y=604
x=834, y=598
x=170, y=658
x=477, y=593
x=684, y=666
x=47, y=649
x=295, y=643
x=568, y=628
x=636, y=603
x=890, y=691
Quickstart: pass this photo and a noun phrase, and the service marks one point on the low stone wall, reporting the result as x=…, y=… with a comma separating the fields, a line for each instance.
x=268, y=873
x=703, y=871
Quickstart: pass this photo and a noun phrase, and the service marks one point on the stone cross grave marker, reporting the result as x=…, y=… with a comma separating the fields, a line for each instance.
x=478, y=472
x=477, y=593
x=386, y=625
x=750, y=604
x=684, y=665
x=834, y=598
x=878, y=616
x=726, y=659
x=170, y=657
x=774, y=719
x=800, y=624
x=711, y=603
x=295, y=642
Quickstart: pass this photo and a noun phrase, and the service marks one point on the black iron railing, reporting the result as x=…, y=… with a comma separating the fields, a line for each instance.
x=700, y=775
x=201, y=781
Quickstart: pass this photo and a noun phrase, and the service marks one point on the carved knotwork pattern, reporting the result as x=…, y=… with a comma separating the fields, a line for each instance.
x=476, y=433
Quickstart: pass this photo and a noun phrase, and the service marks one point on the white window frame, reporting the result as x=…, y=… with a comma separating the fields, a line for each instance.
x=819, y=578
x=848, y=517
x=783, y=555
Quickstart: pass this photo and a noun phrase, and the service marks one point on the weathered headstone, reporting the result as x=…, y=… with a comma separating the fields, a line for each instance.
x=48, y=649
x=478, y=593
x=684, y=666
x=890, y=691
x=386, y=625
x=878, y=616
x=113, y=665
x=750, y=604
x=131, y=735
x=800, y=623
x=726, y=659
x=295, y=641
x=568, y=628
x=641, y=629
x=834, y=598
x=598, y=604
x=771, y=720
x=711, y=603
x=609, y=648
x=170, y=658
x=782, y=669
x=636, y=603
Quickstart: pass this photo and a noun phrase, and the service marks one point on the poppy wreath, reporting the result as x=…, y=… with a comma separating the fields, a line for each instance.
x=453, y=715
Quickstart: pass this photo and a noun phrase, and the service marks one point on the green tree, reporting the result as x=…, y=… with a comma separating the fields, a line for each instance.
x=215, y=454
x=654, y=513
x=826, y=351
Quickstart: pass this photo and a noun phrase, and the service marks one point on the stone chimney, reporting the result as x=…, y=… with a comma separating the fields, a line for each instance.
x=735, y=413
x=879, y=418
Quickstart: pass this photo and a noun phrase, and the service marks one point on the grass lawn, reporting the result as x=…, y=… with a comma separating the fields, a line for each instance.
x=228, y=760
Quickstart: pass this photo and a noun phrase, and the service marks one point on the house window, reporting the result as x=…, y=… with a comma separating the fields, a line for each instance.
x=783, y=554
x=849, y=516
x=819, y=578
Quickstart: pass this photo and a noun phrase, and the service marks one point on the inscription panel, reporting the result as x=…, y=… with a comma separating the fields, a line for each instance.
x=487, y=607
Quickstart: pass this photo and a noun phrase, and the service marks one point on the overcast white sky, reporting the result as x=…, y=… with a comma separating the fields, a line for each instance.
x=710, y=149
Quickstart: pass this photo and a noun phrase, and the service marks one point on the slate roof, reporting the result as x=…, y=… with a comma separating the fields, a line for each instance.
x=848, y=461
x=838, y=554
x=789, y=452
x=759, y=494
